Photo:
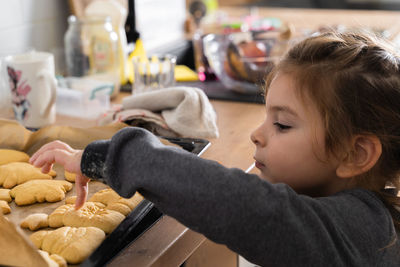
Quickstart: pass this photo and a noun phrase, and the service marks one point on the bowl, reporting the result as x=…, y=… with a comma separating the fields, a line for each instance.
x=241, y=61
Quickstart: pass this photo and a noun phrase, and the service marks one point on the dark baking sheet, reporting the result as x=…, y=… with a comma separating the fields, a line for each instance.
x=140, y=219
x=217, y=91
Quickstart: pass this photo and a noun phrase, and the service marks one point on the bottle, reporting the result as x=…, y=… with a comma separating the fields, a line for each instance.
x=91, y=47
x=77, y=62
x=118, y=14
x=198, y=10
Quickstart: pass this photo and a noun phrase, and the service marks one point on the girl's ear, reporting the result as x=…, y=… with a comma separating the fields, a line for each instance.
x=365, y=153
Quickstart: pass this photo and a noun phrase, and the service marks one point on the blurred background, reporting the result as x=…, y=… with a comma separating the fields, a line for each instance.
x=41, y=24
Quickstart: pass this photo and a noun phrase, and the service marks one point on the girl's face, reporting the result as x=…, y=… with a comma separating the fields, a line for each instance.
x=290, y=145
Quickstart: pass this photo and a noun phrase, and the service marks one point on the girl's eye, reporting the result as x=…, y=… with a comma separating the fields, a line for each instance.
x=282, y=127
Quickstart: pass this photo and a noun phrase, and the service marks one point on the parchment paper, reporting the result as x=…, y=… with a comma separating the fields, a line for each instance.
x=15, y=136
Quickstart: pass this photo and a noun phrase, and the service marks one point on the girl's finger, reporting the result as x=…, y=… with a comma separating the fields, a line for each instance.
x=40, y=151
x=47, y=167
x=50, y=157
x=81, y=185
x=50, y=146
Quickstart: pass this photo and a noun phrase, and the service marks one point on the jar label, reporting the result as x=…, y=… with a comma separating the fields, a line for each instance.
x=101, y=58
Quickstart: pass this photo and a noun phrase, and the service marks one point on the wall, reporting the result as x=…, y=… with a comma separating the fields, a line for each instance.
x=160, y=22
x=27, y=25
x=37, y=24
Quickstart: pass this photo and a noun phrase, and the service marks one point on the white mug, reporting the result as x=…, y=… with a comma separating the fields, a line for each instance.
x=31, y=79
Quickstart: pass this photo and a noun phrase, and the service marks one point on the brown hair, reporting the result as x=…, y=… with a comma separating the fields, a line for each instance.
x=354, y=81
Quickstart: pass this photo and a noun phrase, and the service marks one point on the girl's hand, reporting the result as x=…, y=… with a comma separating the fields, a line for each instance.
x=59, y=152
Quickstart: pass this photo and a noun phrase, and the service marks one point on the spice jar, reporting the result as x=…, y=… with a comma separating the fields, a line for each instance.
x=91, y=50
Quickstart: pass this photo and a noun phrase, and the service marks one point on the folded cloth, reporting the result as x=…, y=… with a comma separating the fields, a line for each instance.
x=139, y=118
x=175, y=111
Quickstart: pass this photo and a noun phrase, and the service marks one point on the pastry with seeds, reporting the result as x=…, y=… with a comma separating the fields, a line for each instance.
x=91, y=214
x=113, y=201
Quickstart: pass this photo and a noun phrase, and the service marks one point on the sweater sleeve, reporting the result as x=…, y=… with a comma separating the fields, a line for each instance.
x=269, y=224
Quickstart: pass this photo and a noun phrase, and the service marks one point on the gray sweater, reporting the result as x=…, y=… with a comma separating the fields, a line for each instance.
x=268, y=224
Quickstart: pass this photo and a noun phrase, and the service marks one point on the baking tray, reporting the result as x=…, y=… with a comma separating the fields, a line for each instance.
x=140, y=219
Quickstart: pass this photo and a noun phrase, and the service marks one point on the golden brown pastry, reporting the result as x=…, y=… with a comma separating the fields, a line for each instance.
x=5, y=195
x=53, y=260
x=69, y=176
x=124, y=205
x=35, y=221
x=115, y=202
x=56, y=217
x=91, y=214
x=70, y=200
x=10, y=155
x=16, y=173
x=52, y=173
x=59, y=260
x=4, y=208
x=73, y=244
x=105, y=196
x=40, y=191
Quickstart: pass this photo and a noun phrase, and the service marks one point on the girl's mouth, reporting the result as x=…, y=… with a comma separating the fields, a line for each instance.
x=259, y=165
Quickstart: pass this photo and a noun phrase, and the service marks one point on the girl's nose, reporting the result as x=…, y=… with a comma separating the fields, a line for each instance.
x=257, y=137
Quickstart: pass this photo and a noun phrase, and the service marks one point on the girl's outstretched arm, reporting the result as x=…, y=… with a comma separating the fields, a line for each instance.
x=269, y=224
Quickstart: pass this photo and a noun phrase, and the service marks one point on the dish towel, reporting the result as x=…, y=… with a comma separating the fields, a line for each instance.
x=173, y=112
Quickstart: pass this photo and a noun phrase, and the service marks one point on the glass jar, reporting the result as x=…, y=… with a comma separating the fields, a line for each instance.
x=91, y=50
x=77, y=62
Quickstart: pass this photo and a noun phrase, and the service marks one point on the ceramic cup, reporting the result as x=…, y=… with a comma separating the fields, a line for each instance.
x=31, y=80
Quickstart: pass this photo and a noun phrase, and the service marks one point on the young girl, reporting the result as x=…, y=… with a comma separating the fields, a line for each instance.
x=327, y=152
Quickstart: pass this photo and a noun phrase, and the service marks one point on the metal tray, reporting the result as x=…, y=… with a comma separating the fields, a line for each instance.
x=140, y=219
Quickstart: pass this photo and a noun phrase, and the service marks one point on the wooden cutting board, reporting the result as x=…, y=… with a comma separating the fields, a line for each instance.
x=15, y=248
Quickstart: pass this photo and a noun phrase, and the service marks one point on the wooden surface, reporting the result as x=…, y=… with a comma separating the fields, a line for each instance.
x=15, y=248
